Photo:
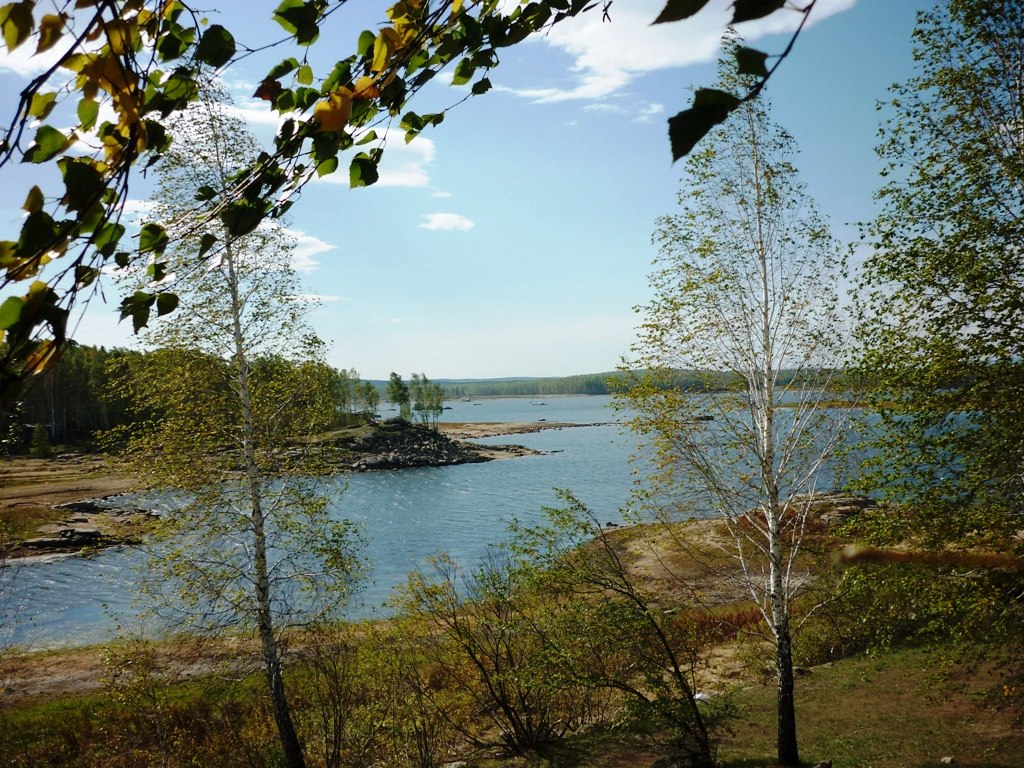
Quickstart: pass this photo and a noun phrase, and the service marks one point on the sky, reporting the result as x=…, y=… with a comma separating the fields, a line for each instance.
x=515, y=238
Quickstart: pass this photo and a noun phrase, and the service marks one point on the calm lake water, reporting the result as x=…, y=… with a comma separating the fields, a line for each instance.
x=406, y=516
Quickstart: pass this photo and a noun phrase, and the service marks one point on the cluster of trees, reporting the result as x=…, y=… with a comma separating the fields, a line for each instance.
x=584, y=384
x=74, y=399
x=420, y=398
x=78, y=398
x=354, y=396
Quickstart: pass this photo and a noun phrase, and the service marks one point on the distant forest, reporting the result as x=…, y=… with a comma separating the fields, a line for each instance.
x=78, y=397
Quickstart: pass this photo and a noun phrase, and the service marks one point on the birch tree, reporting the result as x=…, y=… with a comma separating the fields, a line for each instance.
x=222, y=407
x=744, y=297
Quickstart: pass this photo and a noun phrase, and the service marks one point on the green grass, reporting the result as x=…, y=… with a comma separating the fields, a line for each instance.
x=890, y=710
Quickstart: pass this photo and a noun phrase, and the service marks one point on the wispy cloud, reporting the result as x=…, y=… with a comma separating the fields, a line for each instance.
x=649, y=111
x=607, y=57
x=446, y=222
x=306, y=247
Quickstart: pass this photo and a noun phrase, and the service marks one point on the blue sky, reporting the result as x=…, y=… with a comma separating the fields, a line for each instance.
x=515, y=238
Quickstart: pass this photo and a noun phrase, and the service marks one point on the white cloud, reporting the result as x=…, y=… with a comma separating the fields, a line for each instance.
x=606, y=57
x=306, y=247
x=447, y=222
x=403, y=165
x=22, y=62
x=649, y=111
x=442, y=195
x=139, y=207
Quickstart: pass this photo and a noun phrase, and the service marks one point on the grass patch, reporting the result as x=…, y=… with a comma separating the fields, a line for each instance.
x=889, y=710
x=23, y=521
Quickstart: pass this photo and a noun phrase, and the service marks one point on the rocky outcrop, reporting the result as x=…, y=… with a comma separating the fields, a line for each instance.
x=90, y=524
x=399, y=444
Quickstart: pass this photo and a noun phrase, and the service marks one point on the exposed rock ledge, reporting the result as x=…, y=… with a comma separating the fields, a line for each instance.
x=397, y=444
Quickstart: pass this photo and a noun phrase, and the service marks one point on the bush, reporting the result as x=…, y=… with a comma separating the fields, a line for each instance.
x=40, y=445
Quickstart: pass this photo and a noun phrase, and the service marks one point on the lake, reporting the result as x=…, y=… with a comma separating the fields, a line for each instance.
x=406, y=516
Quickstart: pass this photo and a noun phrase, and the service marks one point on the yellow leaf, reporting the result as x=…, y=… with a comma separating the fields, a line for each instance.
x=407, y=30
x=43, y=355
x=456, y=7
x=334, y=113
x=51, y=28
x=365, y=88
x=383, y=48
x=120, y=36
x=34, y=201
x=77, y=62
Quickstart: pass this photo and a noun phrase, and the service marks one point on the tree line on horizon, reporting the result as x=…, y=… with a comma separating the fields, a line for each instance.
x=75, y=399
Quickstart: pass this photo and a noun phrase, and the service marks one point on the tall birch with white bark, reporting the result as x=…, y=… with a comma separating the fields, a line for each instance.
x=744, y=296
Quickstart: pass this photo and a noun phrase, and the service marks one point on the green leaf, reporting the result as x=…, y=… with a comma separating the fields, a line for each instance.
x=17, y=23
x=299, y=19
x=328, y=166
x=305, y=75
x=748, y=10
x=137, y=307
x=157, y=271
x=38, y=234
x=42, y=105
x=173, y=43
x=206, y=243
x=710, y=107
x=482, y=86
x=84, y=185
x=340, y=75
x=152, y=239
x=10, y=311
x=206, y=193
x=85, y=276
x=362, y=172
x=676, y=10
x=48, y=144
x=88, y=111
x=283, y=68
x=243, y=217
x=216, y=46
x=166, y=303
x=750, y=61
x=365, y=45
x=463, y=72
x=108, y=237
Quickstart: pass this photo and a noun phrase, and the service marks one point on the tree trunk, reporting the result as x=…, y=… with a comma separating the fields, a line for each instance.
x=787, y=747
x=290, y=745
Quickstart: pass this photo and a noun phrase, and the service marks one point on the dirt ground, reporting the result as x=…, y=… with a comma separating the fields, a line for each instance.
x=72, y=477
